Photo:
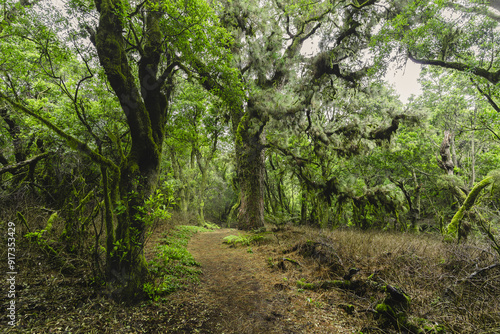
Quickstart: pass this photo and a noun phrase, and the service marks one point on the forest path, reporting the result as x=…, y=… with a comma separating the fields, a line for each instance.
x=240, y=293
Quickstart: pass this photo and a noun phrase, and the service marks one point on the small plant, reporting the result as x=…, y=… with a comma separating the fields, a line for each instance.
x=210, y=225
x=38, y=236
x=156, y=208
x=245, y=240
x=235, y=239
x=173, y=267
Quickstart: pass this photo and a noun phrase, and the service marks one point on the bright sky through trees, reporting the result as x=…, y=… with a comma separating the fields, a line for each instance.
x=404, y=80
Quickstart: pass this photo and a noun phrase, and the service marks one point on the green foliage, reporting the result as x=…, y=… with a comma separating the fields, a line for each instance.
x=210, y=226
x=337, y=146
x=245, y=240
x=39, y=238
x=156, y=207
x=199, y=153
x=173, y=266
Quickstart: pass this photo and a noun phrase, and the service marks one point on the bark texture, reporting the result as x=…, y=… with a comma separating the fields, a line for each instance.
x=446, y=162
x=250, y=166
x=145, y=107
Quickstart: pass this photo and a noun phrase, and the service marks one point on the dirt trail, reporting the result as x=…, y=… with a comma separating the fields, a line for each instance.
x=239, y=293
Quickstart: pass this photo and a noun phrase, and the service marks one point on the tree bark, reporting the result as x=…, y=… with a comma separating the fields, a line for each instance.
x=145, y=109
x=446, y=161
x=250, y=167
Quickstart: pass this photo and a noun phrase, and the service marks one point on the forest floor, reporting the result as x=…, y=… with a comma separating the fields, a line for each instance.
x=272, y=285
x=240, y=293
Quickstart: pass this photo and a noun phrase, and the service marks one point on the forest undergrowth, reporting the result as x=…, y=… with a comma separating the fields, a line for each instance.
x=300, y=279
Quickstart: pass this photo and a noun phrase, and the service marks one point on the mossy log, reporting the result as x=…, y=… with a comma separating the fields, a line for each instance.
x=340, y=284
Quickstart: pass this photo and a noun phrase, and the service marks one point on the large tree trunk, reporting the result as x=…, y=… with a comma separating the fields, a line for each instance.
x=145, y=109
x=249, y=137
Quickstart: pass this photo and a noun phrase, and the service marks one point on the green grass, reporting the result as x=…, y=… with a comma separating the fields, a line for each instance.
x=173, y=267
x=245, y=240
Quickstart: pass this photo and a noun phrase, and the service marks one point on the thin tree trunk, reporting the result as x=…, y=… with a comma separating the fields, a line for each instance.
x=473, y=151
x=417, y=196
x=303, y=205
x=446, y=161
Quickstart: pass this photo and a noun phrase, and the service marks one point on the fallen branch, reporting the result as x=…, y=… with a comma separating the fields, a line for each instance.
x=482, y=270
x=292, y=261
x=19, y=165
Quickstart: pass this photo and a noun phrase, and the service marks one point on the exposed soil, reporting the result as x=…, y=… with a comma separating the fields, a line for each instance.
x=240, y=293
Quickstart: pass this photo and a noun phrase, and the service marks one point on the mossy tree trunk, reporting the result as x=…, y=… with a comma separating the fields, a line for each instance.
x=303, y=203
x=201, y=193
x=145, y=108
x=249, y=129
x=184, y=194
x=446, y=162
x=453, y=227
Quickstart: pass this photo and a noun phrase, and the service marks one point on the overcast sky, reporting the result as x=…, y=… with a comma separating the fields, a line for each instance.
x=404, y=80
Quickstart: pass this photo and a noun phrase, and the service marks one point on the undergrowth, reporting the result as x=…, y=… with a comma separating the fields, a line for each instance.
x=245, y=240
x=453, y=288
x=173, y=267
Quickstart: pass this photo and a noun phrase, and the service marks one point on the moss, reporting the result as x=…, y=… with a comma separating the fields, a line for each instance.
x=22, y=219
x=385, y=310
x=306, y=286
x=454, y=226
x=388, y=316
x=242, y=126
x=425, y=326
x=348, y=308
x=50, y=221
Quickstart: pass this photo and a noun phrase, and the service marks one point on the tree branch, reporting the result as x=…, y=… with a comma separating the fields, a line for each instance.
x=19, y=165
x=493, y=77
x=73, y=142
x=487, y=96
